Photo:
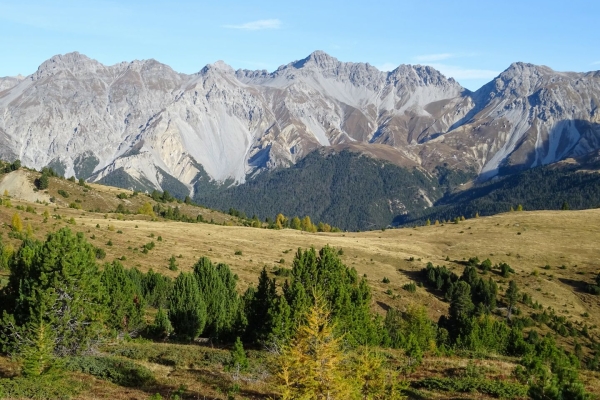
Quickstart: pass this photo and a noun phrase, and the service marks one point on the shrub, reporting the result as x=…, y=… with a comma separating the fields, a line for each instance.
x=238, y=253
x=63, y=193
x=410, y=287
x=40, y=388
x=385, y=280
x=284, y=272
x=503, y=389
x=112, y=369
x=100, y=253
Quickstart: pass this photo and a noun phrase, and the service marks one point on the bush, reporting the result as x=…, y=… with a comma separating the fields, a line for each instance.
x=100, y=253
x=112, y=369
x=40, y=387
x=593, y=289
x=503, y=389
x=385, y=279
x=63, y=193
x=410, y=287
x=283, y=272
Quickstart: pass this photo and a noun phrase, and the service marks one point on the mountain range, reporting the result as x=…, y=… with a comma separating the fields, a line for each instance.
x=143, y=125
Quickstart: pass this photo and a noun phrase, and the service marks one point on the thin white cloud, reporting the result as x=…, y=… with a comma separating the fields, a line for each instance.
x=433, y=57
x=387, y=67
x=596, y=63
x=257, y=25
x=461, y=73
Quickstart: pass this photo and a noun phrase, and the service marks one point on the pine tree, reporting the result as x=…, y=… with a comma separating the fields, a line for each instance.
x=296, y=223
x=307, y=225
x=187, y=310
x=126, y=302
x=239, y=361
x=263, y=299
x=57, y=283
x=218, y=287
x=511, y=295
x=173, y=263
x=280, y=221
x=43, y=182
x=161, y=327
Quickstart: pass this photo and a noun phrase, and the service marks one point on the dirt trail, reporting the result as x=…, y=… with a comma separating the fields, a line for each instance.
x=19, y=185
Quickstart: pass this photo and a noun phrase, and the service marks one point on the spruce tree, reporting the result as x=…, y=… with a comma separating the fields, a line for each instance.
x=187, y=310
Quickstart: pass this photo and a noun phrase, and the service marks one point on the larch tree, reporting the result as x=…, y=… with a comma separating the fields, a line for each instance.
x=313, y=365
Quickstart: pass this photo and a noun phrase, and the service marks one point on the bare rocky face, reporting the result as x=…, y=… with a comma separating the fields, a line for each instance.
x=149, y=121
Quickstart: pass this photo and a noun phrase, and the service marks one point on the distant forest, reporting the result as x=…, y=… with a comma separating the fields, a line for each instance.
x=355, y=192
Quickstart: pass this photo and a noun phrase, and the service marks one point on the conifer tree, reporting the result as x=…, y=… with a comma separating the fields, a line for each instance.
x=511, y=294
x=38, y=353
x=312, y=366
x=56, y=283
x=187, y=310
x=239, y=361
x=17, y=223
x=218, y=287
x=296, y=223
x=161, y=327
x=372, y=379
x=262, y=300
x=126, y=302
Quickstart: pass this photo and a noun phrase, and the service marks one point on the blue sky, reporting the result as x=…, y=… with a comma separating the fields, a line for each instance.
x=471, y=41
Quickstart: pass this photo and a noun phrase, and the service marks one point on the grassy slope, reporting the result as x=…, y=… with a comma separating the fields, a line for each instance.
x=546, y=237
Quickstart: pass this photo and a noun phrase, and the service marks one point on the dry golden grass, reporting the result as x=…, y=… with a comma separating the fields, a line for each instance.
x=526, y=240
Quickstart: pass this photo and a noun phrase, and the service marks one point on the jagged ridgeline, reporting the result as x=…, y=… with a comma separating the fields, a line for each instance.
x=144, y=126
x=345, y=189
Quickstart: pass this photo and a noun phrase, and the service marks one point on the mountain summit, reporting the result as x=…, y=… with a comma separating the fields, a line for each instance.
x=143, y=125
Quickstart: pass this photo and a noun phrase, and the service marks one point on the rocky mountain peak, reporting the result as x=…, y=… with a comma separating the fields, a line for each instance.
x=319, y=59
x=74, y=62
x=218, y=66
